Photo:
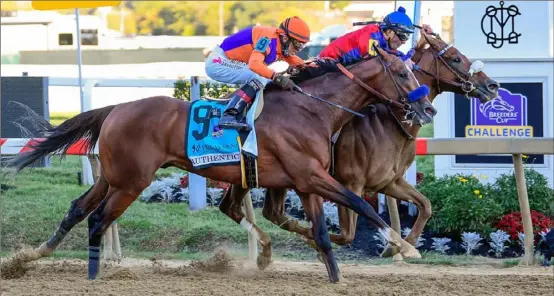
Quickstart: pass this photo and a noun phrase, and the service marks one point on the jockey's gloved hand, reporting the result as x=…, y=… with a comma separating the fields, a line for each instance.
x=285, y=82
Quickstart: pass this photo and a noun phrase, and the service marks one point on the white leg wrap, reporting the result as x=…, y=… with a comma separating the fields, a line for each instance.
x=249, y=227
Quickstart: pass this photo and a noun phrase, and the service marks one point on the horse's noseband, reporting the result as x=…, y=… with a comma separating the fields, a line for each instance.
x=467, y=86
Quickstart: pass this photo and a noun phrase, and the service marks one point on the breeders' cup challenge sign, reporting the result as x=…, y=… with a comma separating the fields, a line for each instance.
x=504, y=116
x=514, y=40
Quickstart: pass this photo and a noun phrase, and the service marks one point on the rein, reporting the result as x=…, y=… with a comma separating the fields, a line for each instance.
x=388, y=102
x=368, y=88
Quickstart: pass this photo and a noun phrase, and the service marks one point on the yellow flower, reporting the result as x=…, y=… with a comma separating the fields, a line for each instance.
x=475, y=176
x=484, y=176
x=524, y=156
x=480, y=196
x=476, y=192
x=463, y=180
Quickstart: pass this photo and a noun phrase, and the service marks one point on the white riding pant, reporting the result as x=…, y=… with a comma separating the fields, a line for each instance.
x=222, y=69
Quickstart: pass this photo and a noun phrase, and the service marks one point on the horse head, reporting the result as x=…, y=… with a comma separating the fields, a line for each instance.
x=453, y=71
x=395, y=80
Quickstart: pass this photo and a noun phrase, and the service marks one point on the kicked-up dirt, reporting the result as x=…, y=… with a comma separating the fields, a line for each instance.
x=221, y=275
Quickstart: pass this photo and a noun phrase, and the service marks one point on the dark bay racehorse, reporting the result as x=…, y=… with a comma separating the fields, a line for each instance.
x=137, y=138
x=373, y=153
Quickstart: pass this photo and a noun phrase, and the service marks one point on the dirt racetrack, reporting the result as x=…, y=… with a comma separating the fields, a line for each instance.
x=144, y=277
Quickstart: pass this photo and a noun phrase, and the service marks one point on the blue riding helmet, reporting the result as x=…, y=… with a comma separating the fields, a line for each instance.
x=398, y=21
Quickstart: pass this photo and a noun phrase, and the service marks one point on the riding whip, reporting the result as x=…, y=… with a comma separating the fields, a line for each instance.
x=376, y=22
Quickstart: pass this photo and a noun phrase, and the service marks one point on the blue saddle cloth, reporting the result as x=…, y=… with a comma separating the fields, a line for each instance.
x=206, y=143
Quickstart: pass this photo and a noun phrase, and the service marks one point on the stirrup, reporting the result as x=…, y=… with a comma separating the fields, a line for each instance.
x=228, y=121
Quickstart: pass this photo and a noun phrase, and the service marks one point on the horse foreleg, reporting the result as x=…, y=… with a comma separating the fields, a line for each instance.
x=231, y=205
x=348, y=220
x=313, y=207
x=402, y=190
x=322, y=184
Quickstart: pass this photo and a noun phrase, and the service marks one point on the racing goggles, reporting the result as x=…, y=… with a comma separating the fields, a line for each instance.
x=402, y=35
x=298, y=46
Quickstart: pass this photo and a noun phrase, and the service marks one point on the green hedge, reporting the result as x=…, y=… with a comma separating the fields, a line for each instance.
x=462, y=203
x=210, y=89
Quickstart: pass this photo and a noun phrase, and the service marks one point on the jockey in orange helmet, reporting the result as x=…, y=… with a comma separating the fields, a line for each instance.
x=244, y=57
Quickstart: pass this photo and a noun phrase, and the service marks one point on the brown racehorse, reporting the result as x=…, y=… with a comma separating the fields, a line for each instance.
x=373, y=153
x=137, y=138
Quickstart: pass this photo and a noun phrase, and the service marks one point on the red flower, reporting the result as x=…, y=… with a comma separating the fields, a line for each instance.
x=419, y=177
x=512, y=224
x=217, y=184
x=184, y=183
x=371, y=199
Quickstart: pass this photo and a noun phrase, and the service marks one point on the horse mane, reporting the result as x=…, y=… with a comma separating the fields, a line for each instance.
x=319, y=67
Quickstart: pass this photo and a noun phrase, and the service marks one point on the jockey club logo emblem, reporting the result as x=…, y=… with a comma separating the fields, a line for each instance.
x=497, y=21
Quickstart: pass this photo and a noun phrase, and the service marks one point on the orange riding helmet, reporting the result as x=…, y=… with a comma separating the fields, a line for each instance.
x=296, y=28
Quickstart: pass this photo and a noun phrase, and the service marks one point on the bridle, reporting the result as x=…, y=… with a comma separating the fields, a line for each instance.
x=461, y=82
x=401, y=104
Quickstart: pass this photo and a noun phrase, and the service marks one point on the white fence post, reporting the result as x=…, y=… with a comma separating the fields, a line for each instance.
x=411, y=177
x=87, y=175
x=197, y=184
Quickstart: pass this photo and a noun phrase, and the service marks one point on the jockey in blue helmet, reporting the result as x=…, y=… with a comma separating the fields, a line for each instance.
x=390, y=34
x=397, y=28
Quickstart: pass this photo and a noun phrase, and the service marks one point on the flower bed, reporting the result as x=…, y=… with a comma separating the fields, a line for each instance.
x=469, y=216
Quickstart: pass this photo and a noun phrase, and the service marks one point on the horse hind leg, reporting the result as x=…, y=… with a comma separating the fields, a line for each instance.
x=77, y=212
x=274, y=211
x=79, y=209
x=112, y=207
x=231, y=206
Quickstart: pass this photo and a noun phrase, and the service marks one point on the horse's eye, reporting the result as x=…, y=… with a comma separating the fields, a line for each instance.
x=457, y=60
x=403, y=74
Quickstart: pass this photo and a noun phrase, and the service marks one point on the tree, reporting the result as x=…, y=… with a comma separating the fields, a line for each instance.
x=202, y=17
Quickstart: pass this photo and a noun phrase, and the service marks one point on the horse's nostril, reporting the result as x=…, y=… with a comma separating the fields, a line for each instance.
x=493, y=86
x=430, y=111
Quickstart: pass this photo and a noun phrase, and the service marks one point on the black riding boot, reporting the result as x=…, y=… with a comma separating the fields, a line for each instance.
x=235, y=111
x=232, y=115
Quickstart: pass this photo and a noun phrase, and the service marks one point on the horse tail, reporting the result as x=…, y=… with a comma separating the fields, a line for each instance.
x=58, y=139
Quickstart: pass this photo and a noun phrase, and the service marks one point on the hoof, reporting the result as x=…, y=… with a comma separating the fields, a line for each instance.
x=263, y=261
x=390, y=250
x=93, y=262
x=410, y=252
x=44, y=250
x=93, y=268
x=335, y=278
